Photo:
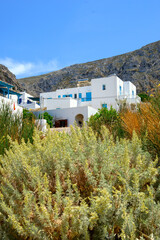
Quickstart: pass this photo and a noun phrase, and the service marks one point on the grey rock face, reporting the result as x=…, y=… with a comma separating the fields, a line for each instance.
x=142, y=67
x=7, y=76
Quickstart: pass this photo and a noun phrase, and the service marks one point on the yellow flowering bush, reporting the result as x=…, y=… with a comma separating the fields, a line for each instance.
x=75, y=186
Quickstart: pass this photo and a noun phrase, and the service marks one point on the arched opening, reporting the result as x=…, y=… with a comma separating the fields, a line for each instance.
x=79, y=118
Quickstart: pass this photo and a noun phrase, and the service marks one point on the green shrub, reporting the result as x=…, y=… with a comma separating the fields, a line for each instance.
x=10, y=124
x=48, y=117
x=16, y=126
x=110, y=119
x=144, y=97
x=28, y=125
x=78, y=187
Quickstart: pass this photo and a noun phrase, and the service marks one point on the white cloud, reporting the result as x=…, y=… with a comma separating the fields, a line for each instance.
x=25, y=69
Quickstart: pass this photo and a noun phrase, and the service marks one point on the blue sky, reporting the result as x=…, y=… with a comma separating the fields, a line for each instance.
x=39, y=36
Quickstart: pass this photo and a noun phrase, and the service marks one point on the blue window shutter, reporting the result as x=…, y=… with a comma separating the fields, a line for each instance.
x=59, y=96
x=70, y=95
x=132, y=93
x=120, y=90
x=88, y=96
x=20, y=100
x=104, y=105
x=103, y=87
x=80, y=95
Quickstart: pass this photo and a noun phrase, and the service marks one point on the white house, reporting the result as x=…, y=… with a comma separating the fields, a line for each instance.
x=78, y=104
x=27, y=101
x=9, y=96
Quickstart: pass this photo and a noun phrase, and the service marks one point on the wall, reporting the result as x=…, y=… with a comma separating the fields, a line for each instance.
x=70, y=113
x=108, y=95
x=73, y=91
x=32, y=105
x=13, y=104
x=59, y=103
x=48, y=99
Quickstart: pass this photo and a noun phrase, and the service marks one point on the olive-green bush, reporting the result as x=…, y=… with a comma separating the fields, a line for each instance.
x=48, y=118
x=75, y=186
x=16, y=126
x=109, y=118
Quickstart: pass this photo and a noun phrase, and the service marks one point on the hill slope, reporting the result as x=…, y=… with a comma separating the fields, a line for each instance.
x=141, y=67
x=8, y=77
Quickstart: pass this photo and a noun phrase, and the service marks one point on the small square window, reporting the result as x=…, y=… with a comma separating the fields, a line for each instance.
x=80, y=95
x=120, y=90
x=104, y=105
x=75, y=95
x=103, y=87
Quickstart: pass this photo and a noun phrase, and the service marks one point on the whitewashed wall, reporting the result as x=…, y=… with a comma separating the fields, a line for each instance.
x=12, y=103
x=55, y=103
x=128, y=88
x=108, y=96
x=70, y=113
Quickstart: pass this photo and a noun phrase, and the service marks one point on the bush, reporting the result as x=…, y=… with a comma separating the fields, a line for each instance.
x=28, y=125
x=144, y=97
x=78, y=187
x=146, y=123
x=10, y=124
x=15, y=126
x=48, y=117
x=110, y=119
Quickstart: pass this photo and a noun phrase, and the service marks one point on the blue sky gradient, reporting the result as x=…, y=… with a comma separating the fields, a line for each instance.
x=40, y=36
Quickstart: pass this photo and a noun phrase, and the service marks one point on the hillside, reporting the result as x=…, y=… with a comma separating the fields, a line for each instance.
x=141, y=67
x=8, y=77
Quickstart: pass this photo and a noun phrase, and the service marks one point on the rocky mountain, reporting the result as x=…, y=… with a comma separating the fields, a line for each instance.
x=8, y=77
x=141, y=67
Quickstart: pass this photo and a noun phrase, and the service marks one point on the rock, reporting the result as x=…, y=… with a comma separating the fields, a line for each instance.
x=141, y=67
x=8, y=77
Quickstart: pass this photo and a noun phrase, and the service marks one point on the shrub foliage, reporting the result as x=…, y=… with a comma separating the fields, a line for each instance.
x=16, y=126
x=78, y=187
x=48, y=117
x=109, y=118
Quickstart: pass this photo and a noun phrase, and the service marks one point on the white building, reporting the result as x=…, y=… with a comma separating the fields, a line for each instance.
x=78, y=104
x=27, y=101
x=9, y=96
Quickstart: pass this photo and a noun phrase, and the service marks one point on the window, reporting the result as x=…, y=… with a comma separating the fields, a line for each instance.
x=67, y=95
x=104, y=105
x=132, y=93
x=80, y=95
x=19, y=100
x=28, y=102
x=88, y=96
x=120, y=90
x=103, y=87
x=75, y=95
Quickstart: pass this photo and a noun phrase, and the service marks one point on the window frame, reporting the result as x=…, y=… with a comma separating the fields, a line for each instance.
x=103, y=87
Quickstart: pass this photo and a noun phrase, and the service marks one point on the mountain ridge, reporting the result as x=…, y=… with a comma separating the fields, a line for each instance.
x=8, y=77
x=141, y=67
